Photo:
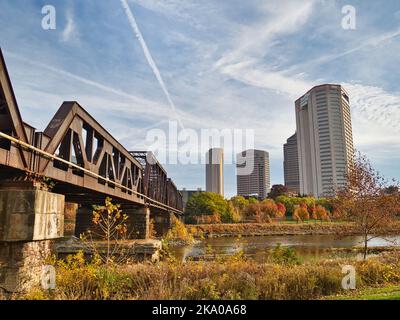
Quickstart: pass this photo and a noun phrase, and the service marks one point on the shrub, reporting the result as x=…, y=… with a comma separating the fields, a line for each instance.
x=178, y=233
x=284, y=255
x=301, y=213
x=321, y=213
x=281, y=209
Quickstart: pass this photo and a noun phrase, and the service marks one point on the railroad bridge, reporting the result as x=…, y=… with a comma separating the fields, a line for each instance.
x=70, y=166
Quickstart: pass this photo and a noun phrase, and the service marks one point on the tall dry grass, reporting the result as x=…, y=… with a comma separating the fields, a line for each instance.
x=232, y=278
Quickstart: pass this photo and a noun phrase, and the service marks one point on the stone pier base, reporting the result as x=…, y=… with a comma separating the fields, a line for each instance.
x=21, y=264
x=30, y=219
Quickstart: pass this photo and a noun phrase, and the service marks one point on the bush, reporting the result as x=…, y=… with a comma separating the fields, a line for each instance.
x=211, y=207
x=301, y=213
x=284, y=255
x=179, y=233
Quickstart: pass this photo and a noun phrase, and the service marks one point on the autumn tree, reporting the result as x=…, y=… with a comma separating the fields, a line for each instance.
x=364, y=201
x=278, y=190
x=106, y=239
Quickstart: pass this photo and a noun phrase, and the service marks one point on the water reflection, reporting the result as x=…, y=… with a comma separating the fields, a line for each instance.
x=308, y=246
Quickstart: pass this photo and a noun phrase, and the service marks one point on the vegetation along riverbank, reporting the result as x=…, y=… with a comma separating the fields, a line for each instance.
x=280, y=228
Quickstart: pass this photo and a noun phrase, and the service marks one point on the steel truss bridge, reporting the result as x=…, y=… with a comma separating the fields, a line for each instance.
x=86, y=162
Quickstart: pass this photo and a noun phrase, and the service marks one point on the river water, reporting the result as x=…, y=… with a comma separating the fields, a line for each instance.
x=307, y=246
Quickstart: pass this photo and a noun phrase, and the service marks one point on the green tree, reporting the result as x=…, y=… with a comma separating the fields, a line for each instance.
x=278, y=190
x=208, y=203
x=239, y=202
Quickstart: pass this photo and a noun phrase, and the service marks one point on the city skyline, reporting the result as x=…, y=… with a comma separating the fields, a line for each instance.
x=218, y=73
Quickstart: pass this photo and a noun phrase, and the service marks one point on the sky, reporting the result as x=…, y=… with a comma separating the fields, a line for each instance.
x=135, y=65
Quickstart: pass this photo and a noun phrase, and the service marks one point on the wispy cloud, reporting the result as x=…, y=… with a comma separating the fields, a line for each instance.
x=149, y=58
x=234, y=64
x=69, y=31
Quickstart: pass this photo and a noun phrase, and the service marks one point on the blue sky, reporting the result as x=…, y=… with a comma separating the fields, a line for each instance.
x=227, y=65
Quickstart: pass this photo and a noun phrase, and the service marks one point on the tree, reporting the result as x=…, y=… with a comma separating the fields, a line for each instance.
x=239, y=202
x=211, y=204
x=264, y=211
x=392, y=190
x=300, y=213
x=364, y=201
x=278, y=190
x=253, y=200
x=110, y=226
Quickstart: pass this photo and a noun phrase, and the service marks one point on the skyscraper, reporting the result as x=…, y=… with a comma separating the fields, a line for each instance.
x=291, y=164
x=324, y=139
x=215, y=171
x=256, y=181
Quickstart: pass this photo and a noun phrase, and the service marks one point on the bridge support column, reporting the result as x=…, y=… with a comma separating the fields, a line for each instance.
x=30, y=219
x=83, y=220
x=138, y=222
x=70, y=212
x=162, y=221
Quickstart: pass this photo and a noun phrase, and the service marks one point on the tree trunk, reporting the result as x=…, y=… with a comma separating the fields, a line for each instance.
x=365, y=246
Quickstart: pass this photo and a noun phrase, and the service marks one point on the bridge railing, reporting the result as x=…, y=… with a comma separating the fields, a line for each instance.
x=50, y=157
x=156, y=184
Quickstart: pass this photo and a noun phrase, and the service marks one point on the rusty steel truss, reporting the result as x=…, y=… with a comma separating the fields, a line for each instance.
x=85, y=161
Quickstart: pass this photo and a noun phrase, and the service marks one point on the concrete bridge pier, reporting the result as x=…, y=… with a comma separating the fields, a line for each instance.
x=30, y=219
x=138, y=222
x=162, y=221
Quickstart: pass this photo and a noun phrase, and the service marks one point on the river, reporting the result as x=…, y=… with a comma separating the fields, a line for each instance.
x=307, y=246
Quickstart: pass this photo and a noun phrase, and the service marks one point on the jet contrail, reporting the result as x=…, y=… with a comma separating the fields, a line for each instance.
x=149, y=58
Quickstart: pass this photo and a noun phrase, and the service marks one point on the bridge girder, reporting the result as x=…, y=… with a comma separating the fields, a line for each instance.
x=79, y=155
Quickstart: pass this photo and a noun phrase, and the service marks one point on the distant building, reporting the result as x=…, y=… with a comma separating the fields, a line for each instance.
x=256, y=181
x=215, y=171
x=291, y=165
x=187, y=194
x=324, y=139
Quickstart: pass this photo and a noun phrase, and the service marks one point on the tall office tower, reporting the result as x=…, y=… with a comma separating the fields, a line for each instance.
x=291, y=164
x=324, y=139
x=253, y=174
x=215, y=171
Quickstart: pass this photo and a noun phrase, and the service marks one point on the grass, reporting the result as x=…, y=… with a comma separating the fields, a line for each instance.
x=385, y=293
x=281, y=278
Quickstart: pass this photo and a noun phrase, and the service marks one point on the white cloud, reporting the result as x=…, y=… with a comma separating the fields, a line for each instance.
x=254, y=41
x=69, y=31
x=375, y=114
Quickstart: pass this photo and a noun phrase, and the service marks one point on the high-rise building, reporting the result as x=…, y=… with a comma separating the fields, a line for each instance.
x=324, y=139
x=291, y=164
x=253, y=174
x=215, y=171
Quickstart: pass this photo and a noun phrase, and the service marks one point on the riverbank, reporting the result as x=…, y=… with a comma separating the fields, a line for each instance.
x=278, y=229
x=233, y=278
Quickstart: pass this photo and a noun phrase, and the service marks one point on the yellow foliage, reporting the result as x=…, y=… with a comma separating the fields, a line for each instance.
x=179, y=232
